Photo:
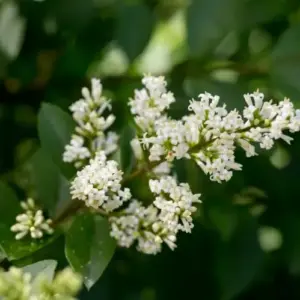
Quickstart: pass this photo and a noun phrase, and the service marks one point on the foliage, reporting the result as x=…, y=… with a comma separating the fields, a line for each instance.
x=245, y=241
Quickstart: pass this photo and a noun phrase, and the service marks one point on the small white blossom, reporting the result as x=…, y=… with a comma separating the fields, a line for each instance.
x=150, y=103
x=31, y=222
x=76, y=151
x=99, y=184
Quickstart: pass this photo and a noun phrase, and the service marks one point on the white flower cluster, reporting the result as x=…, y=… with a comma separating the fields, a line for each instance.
x=150, y=226
x=31, y=222
x=15, y=284
x=90, y=135
x=210, y=134
x=99, y=184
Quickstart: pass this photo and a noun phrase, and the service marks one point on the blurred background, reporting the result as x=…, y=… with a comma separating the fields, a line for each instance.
x=246, y=242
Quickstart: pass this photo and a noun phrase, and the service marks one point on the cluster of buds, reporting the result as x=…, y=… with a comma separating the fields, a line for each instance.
x=32, y=222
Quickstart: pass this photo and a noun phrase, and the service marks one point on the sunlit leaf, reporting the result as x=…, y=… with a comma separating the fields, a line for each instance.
x=208, y=22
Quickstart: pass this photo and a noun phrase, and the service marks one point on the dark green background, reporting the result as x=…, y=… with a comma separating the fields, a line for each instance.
x=49, y=49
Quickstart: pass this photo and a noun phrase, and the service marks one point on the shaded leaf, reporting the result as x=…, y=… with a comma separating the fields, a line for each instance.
x=55, y=128
x=240, y=259
x=52, y=187
x=9, y=205
x=127, y=157
x=208, y=21
x=257, y=11
x=134, y=28
x=89, y=247
x=285, y=64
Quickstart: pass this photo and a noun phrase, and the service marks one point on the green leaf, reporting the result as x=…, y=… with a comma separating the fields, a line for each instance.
x=55, y=128
x=285, y=63
x=89, y=247
x=52, y=187
x=208, y=22
x=134, y=28
x=45, y=267
x=9, y=205
x=240, y=259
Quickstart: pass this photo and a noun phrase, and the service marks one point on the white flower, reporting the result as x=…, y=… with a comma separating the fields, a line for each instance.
x=99, y=184
x=76, y=151
x=31, y=222
x=150, y=103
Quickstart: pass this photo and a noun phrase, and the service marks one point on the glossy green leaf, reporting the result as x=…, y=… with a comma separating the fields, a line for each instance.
x=134, y=27
x=208, y=22
x=55, y=128
x=89, y=247
x=52, y=187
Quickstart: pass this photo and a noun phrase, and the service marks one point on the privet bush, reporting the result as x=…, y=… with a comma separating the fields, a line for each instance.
x=102, y=204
